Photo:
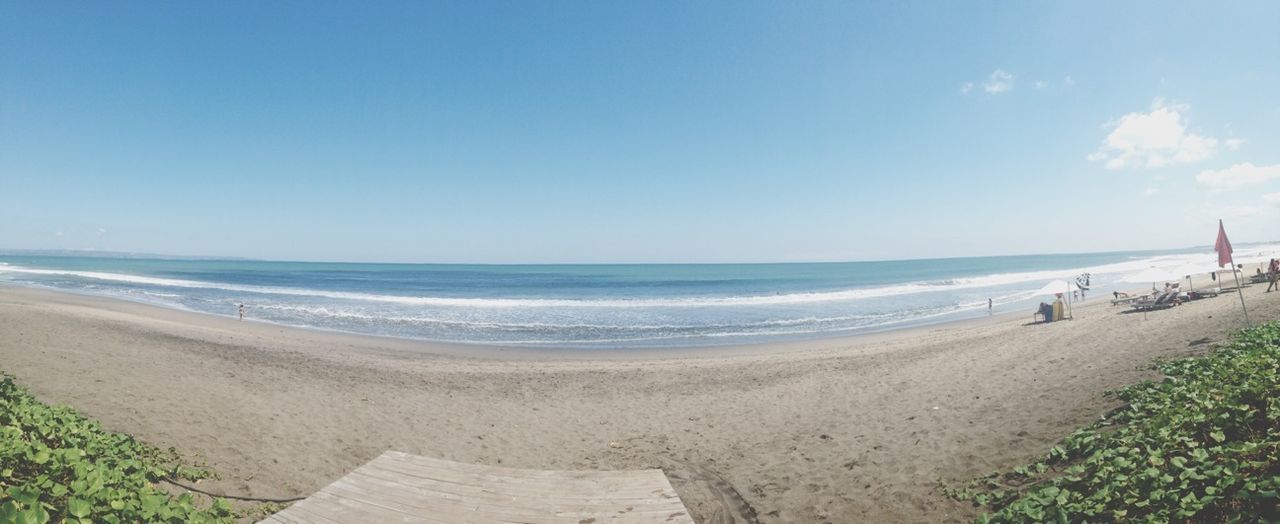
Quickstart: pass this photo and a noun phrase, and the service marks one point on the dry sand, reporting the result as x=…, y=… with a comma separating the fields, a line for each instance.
x=841, y=430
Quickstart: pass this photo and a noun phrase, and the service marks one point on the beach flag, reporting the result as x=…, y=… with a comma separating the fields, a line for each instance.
x=1223, y=247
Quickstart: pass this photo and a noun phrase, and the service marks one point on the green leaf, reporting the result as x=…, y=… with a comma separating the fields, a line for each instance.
x=221, y=506
x=79, y=508
x=152, y=503
x=27, y=497
x=33, y=515
x=9, y=511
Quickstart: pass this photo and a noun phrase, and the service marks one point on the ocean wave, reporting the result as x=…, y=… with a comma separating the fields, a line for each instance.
x=745, y=334
x=374, y=317
x=323, y=315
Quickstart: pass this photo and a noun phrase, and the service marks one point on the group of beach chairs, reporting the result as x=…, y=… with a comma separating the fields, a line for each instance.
x=1156, y=301
x=1168, y=298
x=1173, y=296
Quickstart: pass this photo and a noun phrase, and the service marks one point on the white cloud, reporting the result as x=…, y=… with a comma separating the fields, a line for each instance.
x=1233, y=143
x=1041, y=84
x=57, y=234
x=966, y=87
x=1069, y=81
x=1239, y=175
x=102, y=231
x=1000, y=81
x=1272, y=198
x=1155, y=139
x=1232, y=211
x=1150, y=190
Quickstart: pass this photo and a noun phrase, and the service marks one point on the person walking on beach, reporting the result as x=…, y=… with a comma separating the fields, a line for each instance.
x=988, y=306
x=241, y=311
x=1273, y=272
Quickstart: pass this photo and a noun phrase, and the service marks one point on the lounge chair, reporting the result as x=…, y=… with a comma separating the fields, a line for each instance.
x=1161, y=301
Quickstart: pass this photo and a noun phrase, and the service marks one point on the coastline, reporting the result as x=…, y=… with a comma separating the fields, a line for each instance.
x=483, y=350
x=840, y=429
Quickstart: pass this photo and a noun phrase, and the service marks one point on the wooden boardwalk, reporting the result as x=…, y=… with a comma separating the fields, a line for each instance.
x=399, y=487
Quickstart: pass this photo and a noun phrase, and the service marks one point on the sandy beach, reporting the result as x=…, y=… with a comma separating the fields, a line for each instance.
x=840, y=430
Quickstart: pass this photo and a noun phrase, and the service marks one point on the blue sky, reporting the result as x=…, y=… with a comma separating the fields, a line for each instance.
x=636, y=132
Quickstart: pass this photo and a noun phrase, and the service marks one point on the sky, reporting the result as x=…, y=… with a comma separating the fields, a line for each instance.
x=573, y=131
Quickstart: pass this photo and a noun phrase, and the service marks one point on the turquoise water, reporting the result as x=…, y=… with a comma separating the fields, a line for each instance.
x=612, y=306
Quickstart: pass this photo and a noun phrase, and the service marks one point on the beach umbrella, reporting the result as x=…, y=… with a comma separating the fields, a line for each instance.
x=1060, y=287
x=1056, y=287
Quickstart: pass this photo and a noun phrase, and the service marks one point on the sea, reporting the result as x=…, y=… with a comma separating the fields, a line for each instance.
x=609, y=306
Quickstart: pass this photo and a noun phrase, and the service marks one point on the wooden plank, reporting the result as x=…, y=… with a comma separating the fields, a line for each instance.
x=398, y=487
x=355, y=510
x=640, y=479
x=443, y=466
x=285, y=519
x=479, y=485
x=311, y=509
x=475, y=495
x=523, y=487
x=503, y=471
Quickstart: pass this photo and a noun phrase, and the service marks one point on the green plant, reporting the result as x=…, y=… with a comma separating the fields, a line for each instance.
x=1203, y=444
x=57, y=466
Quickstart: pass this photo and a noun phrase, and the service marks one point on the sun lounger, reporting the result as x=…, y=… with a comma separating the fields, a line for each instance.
x=1161, y=301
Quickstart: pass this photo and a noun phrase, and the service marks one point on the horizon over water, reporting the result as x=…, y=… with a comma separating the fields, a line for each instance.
x=602, y=305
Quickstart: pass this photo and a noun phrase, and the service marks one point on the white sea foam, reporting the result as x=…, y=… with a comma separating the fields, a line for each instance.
x=373, y=317
x=751, y=334
x=165, y=295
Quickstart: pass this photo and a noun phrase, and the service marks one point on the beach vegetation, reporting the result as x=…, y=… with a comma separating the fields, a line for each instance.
x=58, y=466
x=1200, y=445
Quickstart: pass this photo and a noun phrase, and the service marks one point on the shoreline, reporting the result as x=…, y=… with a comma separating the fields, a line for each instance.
x=859, y=428
x=483, y=350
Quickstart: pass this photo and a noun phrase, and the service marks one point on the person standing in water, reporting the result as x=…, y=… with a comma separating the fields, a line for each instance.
x=988, y=306
x=241, y=311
